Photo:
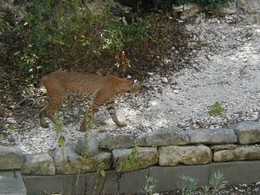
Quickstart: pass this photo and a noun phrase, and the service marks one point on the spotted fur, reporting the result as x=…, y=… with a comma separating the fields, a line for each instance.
x=104, y=90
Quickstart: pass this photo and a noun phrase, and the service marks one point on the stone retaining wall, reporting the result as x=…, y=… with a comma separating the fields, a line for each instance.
x=166, y=147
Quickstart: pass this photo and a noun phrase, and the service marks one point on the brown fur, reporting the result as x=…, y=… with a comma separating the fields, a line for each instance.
x=104, y=90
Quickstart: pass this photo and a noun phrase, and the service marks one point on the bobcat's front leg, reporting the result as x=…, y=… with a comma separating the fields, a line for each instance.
x=112, y=111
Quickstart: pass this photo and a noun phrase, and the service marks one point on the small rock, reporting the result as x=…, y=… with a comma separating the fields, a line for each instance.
x=89, y=143
x=164, y=80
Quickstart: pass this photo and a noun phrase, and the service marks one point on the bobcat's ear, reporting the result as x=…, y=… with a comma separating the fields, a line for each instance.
x=129, y=76
x=135, y=83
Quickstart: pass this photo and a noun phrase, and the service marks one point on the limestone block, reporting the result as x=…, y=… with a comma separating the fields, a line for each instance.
x=88, y=144
x=145, y=157
x=212, y=136
x=248, y=132
x=189, y=155
x=68, y=162
x=249, y=6
x=239, y=153
x=162, y=137
x=11, y=158
x=38, y=164
x=223, y=147
x=116, y=141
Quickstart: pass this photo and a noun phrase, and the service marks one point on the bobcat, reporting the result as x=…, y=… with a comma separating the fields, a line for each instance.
x=103, y=89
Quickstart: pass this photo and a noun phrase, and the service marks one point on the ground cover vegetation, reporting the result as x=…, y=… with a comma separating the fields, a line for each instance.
x=40, y=36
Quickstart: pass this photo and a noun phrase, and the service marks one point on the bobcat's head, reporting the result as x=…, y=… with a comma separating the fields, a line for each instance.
x=135, y=86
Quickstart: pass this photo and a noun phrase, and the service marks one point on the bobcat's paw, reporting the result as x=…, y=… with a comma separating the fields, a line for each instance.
x=44, y=125
x=121, y=124
x=83, y=128
x=99, y=123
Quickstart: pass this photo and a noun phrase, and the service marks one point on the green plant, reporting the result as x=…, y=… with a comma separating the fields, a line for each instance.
x=100, y=171
x=118, y=34
x=215, y=109
x=150, y=184
x=130, y=160
x=58, y=124
x=187, y=185
x=85, y=151
x=59, y=130
x=60, y=32
x=132, y=156
x=89, y=118
x=217, y=182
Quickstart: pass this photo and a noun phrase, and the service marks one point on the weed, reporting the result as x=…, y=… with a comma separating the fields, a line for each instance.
x=130, y=160
x=119, y=34
x=150, y=184
x=62, y=141
x=217, y=182
x=89, y=118
x=132, y=156
x=187, y=185
x=59, y=130
x=100, y=171
x=85, y=151
x=58, y=124
x=215, y=109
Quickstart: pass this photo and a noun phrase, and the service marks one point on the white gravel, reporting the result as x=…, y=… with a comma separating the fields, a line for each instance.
x=226, y=69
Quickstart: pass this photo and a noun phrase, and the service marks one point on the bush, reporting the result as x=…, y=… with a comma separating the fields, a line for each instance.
x=62, y=34
x=66, y=35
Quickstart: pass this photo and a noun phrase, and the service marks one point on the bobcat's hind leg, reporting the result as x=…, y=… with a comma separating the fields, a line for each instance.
x=48, y=110
x=112, y=111
x=88, y=118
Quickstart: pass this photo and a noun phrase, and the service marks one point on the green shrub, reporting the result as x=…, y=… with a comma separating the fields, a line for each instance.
x=216, y=109
x=66, y=35
x=119, y=34
x=189, y=185
x=60, y=33
x=150, y=185
x=217, y=182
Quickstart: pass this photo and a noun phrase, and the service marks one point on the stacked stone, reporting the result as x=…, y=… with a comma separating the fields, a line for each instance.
x=165, y=147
